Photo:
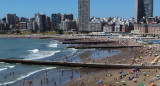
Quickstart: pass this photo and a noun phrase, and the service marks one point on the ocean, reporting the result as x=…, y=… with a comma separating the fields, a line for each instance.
x=39, y=49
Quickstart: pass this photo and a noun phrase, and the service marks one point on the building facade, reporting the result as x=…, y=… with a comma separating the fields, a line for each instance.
x=149, y=29
x=95, y=26
x=68, y=25
x=67, y=16
x=143, y=8
x=10, y=18
x=107, y=28
x=23, y=25
x=41, y=22
x=48, y=21
x=56, y=20
x=83, y=15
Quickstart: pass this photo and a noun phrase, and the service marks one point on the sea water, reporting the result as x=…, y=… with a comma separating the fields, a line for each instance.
x=34, y=49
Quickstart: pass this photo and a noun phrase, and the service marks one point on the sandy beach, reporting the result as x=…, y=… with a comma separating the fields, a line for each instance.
x=107, y=77
x=112, y=77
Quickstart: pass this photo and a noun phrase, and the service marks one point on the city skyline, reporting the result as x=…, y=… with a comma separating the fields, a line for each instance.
x=71, y=6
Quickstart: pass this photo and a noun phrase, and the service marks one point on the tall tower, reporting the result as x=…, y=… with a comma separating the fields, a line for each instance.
x=143, y=8
x=83, y=15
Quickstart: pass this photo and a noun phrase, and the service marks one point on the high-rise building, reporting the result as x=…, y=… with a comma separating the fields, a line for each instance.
x=143, y=8
x=48, y=21
x=83, y=15
x=67, y=16
x=41, y=22
x=56, y=20
x=10, y=18
x=30, y=24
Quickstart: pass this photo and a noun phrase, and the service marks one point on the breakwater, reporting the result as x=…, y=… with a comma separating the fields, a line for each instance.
x=87, y=42
x=101, y=47
x=88, y=65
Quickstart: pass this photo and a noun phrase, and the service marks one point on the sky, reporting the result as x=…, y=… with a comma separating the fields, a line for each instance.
x=99, y=8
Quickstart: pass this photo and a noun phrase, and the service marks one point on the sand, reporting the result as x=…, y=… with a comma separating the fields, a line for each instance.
x=126, y=56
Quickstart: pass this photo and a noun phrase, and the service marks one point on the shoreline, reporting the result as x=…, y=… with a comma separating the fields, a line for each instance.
x=125, y=56
x=38, y=81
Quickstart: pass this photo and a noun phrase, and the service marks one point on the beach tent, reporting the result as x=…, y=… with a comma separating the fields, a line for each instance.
x=99, y=82
x=141, y=84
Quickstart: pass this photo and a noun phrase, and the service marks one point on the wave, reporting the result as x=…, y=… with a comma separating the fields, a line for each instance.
x=41, y=54
x=33, y=51
x=27, y=75
x=11, y=66
x=53, y=45
x=3, y=69
x=73, y=50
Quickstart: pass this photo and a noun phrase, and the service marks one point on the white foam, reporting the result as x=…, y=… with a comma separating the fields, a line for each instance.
x=3, y=69
x=41, y=54
x=53, y=45
x=11, y=66
x=27, y=75
x=73, y=50
x=33, y=51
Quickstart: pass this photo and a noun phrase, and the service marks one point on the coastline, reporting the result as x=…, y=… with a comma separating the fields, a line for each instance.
x=90, y=77
x=37, y=81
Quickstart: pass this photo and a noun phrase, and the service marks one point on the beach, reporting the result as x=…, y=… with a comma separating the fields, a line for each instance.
x=112, y=77
x=90, y=76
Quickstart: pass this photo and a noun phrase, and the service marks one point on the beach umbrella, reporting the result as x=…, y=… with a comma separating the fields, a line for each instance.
x=152, y=83
x=121, y=72
x=156, y=55
x=136, y=75
x=133, y=69
x=130, y=78
x=134, y=79
x=141, y=84
x=99, y=82
x=123, y=81
x=154, y=58
x=157, y=75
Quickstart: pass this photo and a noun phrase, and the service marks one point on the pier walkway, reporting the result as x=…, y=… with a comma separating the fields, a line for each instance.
x=88, y=65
